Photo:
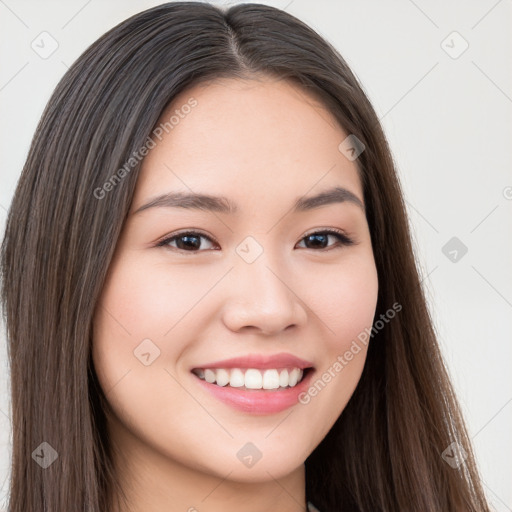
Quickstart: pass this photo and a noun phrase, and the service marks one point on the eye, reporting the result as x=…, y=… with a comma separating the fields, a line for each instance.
x=190, y=241
x=319, y=239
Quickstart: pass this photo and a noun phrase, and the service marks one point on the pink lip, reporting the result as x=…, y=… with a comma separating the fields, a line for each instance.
x=258, y=401
x=261, y=362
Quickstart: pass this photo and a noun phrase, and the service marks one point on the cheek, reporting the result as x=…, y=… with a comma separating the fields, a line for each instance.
x=148, y=301
x=134, y=360
x=344, y=299
x=144, y=318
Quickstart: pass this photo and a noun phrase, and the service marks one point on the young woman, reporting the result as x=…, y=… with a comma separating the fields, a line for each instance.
x=210, y=293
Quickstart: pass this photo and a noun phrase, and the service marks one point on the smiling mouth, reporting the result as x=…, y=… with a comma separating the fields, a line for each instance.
x=247, y=379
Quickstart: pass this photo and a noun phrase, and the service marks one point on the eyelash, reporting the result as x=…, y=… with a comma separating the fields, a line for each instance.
x=343, y=240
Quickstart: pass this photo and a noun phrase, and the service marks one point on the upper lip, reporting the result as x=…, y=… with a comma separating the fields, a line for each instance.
x=260, y=361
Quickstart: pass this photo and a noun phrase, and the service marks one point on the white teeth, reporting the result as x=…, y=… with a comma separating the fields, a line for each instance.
x=251, y=378
x=237, y=378
x=283, y=378
x=222, y=377
x=270, y=379
x=292, y=378
x=209, y=376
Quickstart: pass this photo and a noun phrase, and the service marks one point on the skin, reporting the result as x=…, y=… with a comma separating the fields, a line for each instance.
x=261, y=143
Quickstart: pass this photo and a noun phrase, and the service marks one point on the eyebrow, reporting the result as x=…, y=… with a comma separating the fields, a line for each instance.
x=221, y=204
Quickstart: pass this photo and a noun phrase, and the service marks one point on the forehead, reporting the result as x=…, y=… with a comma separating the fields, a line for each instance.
x=247, y=139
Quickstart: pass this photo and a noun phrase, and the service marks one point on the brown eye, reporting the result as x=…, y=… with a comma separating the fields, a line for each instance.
x=191, y=241
x=320, y=239
x=188, y=241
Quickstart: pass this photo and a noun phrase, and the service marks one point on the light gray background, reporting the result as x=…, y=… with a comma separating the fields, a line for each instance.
x=449, y=124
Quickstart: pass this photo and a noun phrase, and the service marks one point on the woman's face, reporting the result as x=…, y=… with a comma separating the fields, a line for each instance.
x=190, y=287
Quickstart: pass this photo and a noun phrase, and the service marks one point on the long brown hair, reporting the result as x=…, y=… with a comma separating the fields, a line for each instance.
x=384, y=453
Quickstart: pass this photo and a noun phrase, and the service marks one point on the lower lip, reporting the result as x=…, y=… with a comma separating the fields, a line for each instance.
x=258, y=401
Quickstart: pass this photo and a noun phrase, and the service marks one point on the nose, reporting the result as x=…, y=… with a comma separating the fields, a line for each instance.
x=261, y=297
